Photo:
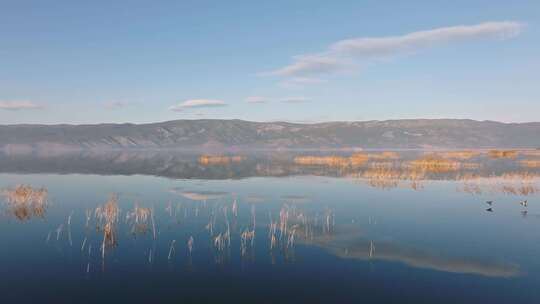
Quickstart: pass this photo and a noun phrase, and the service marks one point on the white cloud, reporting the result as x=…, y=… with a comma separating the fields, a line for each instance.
x=17, y=105
x=311, y=65
x=198, y=103
x=256, y=99
x=344, y=54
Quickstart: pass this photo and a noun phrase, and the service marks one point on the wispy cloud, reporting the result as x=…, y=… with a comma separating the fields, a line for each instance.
x=262, y=100
x=297, y=99
x=256, y=99
x=115, y=105
x=346, y=54
x=16, y=105
x=198, y=103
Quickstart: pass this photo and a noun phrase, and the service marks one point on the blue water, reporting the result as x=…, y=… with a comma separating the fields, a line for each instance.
x=433, y=245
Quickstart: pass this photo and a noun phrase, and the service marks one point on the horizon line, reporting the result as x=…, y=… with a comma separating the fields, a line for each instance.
x=269, y=121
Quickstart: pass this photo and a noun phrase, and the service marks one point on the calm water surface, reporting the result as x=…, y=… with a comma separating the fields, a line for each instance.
x=277, y=228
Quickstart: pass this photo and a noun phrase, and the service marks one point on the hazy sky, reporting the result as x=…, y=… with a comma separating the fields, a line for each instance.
x=71, y=61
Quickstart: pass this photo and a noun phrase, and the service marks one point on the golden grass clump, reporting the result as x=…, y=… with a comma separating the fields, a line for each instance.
x=382, y=174
x=332, y=161
x=503, y=153
x=434, y=165
x=139, y=217
x=511, y=183
x=381, y=165
x=520, y=176
x=109, y=236
x=139, y=214
x=523, y=189
x=357, y=159
x=387, y=178
x=108, y=212
x=219, y=160
x=465, y=154
x=384, y=155
x=26, y=202
x=25, y=194
x=439, y=165
x=108, y=215
x=530, y=163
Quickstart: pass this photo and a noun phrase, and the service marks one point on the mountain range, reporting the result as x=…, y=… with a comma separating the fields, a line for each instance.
x=239, y=134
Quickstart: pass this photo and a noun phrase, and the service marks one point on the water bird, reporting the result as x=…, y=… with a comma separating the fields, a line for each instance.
x=523, y=203
x=489, y=209
x=489, y=202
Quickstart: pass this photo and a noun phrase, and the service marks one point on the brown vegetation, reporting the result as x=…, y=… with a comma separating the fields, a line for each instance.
x=384, y=155
x=439, y=165
x=108, y=215
x=387, y=178
x=26, y=202
x=464, y=154
x=219, y=160
x=354, y=160
x=503, y=154
x=530, y=163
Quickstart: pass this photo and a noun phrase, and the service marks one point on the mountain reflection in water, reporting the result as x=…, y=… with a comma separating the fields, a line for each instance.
x=506, y=171
x=370, y=218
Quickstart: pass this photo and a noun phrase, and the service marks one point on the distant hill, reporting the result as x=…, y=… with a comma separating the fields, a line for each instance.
x=239, y=134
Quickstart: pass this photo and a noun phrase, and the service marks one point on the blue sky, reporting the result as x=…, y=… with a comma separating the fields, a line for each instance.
x=305, y=61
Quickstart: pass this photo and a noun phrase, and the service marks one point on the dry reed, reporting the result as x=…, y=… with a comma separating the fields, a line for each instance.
x=219, y=160
x=26, y=202
x=530, y=163
x=503, y=153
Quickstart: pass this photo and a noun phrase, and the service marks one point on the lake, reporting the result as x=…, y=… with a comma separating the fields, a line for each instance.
x=270, y=227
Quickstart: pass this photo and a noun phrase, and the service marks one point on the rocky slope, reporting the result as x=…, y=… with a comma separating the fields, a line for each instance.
x=220, y=134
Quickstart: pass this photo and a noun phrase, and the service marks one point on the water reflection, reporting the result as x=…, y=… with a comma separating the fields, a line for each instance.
x=280, y=233
x=350, y=245
x=386, y=169
x=203, y=195
x=202, y=223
